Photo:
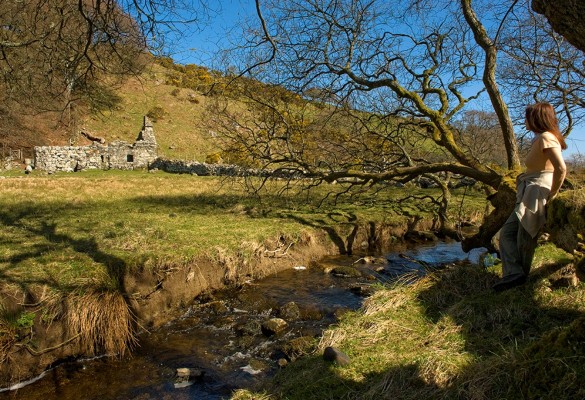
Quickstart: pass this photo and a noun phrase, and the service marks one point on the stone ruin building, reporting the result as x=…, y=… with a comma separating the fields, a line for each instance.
x=116, y=155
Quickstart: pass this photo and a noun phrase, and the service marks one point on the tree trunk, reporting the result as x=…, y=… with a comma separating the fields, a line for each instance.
x=503, y=201
x=491, y=85
x=567, y=17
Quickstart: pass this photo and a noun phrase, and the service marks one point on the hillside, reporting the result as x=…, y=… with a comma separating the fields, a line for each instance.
x=186, y=103
x=178, y=115
x=179, y=128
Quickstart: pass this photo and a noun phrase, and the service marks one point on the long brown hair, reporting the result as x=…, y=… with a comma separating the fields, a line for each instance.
x=541, y=117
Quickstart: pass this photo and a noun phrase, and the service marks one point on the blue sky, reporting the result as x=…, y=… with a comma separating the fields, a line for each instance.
x=202, y=46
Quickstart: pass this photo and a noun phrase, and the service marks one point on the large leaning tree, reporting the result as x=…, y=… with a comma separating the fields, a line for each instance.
x=405, y=90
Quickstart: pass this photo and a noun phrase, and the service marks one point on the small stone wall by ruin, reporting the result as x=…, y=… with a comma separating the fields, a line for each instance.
x=116, y=155
x=203, y=169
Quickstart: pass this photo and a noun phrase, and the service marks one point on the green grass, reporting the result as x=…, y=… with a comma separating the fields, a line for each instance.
x=449, y=336
x=73, y=230
x=70, y=229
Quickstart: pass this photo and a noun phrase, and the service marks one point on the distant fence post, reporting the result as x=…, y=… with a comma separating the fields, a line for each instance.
x=7, y=153
x=16, y=154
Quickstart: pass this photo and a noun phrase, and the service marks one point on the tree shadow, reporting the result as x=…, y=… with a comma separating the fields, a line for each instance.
x=33, y=284
x=504, y=328
x=507, y=327
x=206, y=204
x=115, y=267
x=344, y=245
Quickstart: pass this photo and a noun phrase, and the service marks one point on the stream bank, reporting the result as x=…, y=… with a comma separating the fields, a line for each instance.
x=155, y=295
x=224, y=339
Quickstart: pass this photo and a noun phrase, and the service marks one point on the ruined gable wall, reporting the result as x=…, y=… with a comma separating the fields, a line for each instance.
x=117, y=155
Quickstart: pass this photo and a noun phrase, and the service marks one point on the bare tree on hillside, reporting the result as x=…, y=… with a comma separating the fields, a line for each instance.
x=55, y=53
x=419, y=64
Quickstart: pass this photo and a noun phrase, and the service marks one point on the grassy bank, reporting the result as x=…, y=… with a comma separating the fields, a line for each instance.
x=65, y=228
x=449, y=336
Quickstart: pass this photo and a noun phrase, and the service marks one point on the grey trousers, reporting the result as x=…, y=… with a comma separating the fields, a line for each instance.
x=516, y=248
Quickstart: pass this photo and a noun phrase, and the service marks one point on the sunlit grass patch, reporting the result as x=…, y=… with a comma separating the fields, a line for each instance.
x=396, y=350
x=77, y=228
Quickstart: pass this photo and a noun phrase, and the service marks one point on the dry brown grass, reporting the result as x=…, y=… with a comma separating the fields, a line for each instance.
x=7, y=339
x=103, y=321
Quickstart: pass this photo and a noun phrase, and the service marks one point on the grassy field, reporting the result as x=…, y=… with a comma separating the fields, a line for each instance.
x=67, y=228
x=446, y=336
x=69, y=242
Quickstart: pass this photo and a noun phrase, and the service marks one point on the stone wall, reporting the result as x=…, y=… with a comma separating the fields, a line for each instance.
x=116, y=155
x=203, y=169
x=70, y=158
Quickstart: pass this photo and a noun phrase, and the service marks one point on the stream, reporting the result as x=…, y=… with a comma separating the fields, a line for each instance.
x=223, y=339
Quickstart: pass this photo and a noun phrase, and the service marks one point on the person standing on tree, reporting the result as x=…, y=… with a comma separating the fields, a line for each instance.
x=545, y=173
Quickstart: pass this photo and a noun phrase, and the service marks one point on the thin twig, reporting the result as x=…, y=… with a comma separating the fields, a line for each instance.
x=38, y=353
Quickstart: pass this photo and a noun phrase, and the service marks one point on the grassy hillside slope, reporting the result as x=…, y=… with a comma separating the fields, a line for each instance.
x=180, y=128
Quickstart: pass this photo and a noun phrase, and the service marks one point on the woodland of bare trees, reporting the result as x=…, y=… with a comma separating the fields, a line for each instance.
x=56, y=55
x=413, y=88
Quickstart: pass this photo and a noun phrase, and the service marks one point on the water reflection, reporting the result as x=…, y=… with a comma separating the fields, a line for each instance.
x=426, y=256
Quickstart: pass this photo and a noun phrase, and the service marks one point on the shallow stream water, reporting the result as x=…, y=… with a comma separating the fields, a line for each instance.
x=220, y=336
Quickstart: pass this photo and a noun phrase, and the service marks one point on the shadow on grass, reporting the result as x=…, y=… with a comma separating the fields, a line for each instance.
x=36, y=232
x=327, y=383
x=203, y=204
x=53, y=240
x=270, y=206
x=526, y=343
x=34, y=223
x=344, y=245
